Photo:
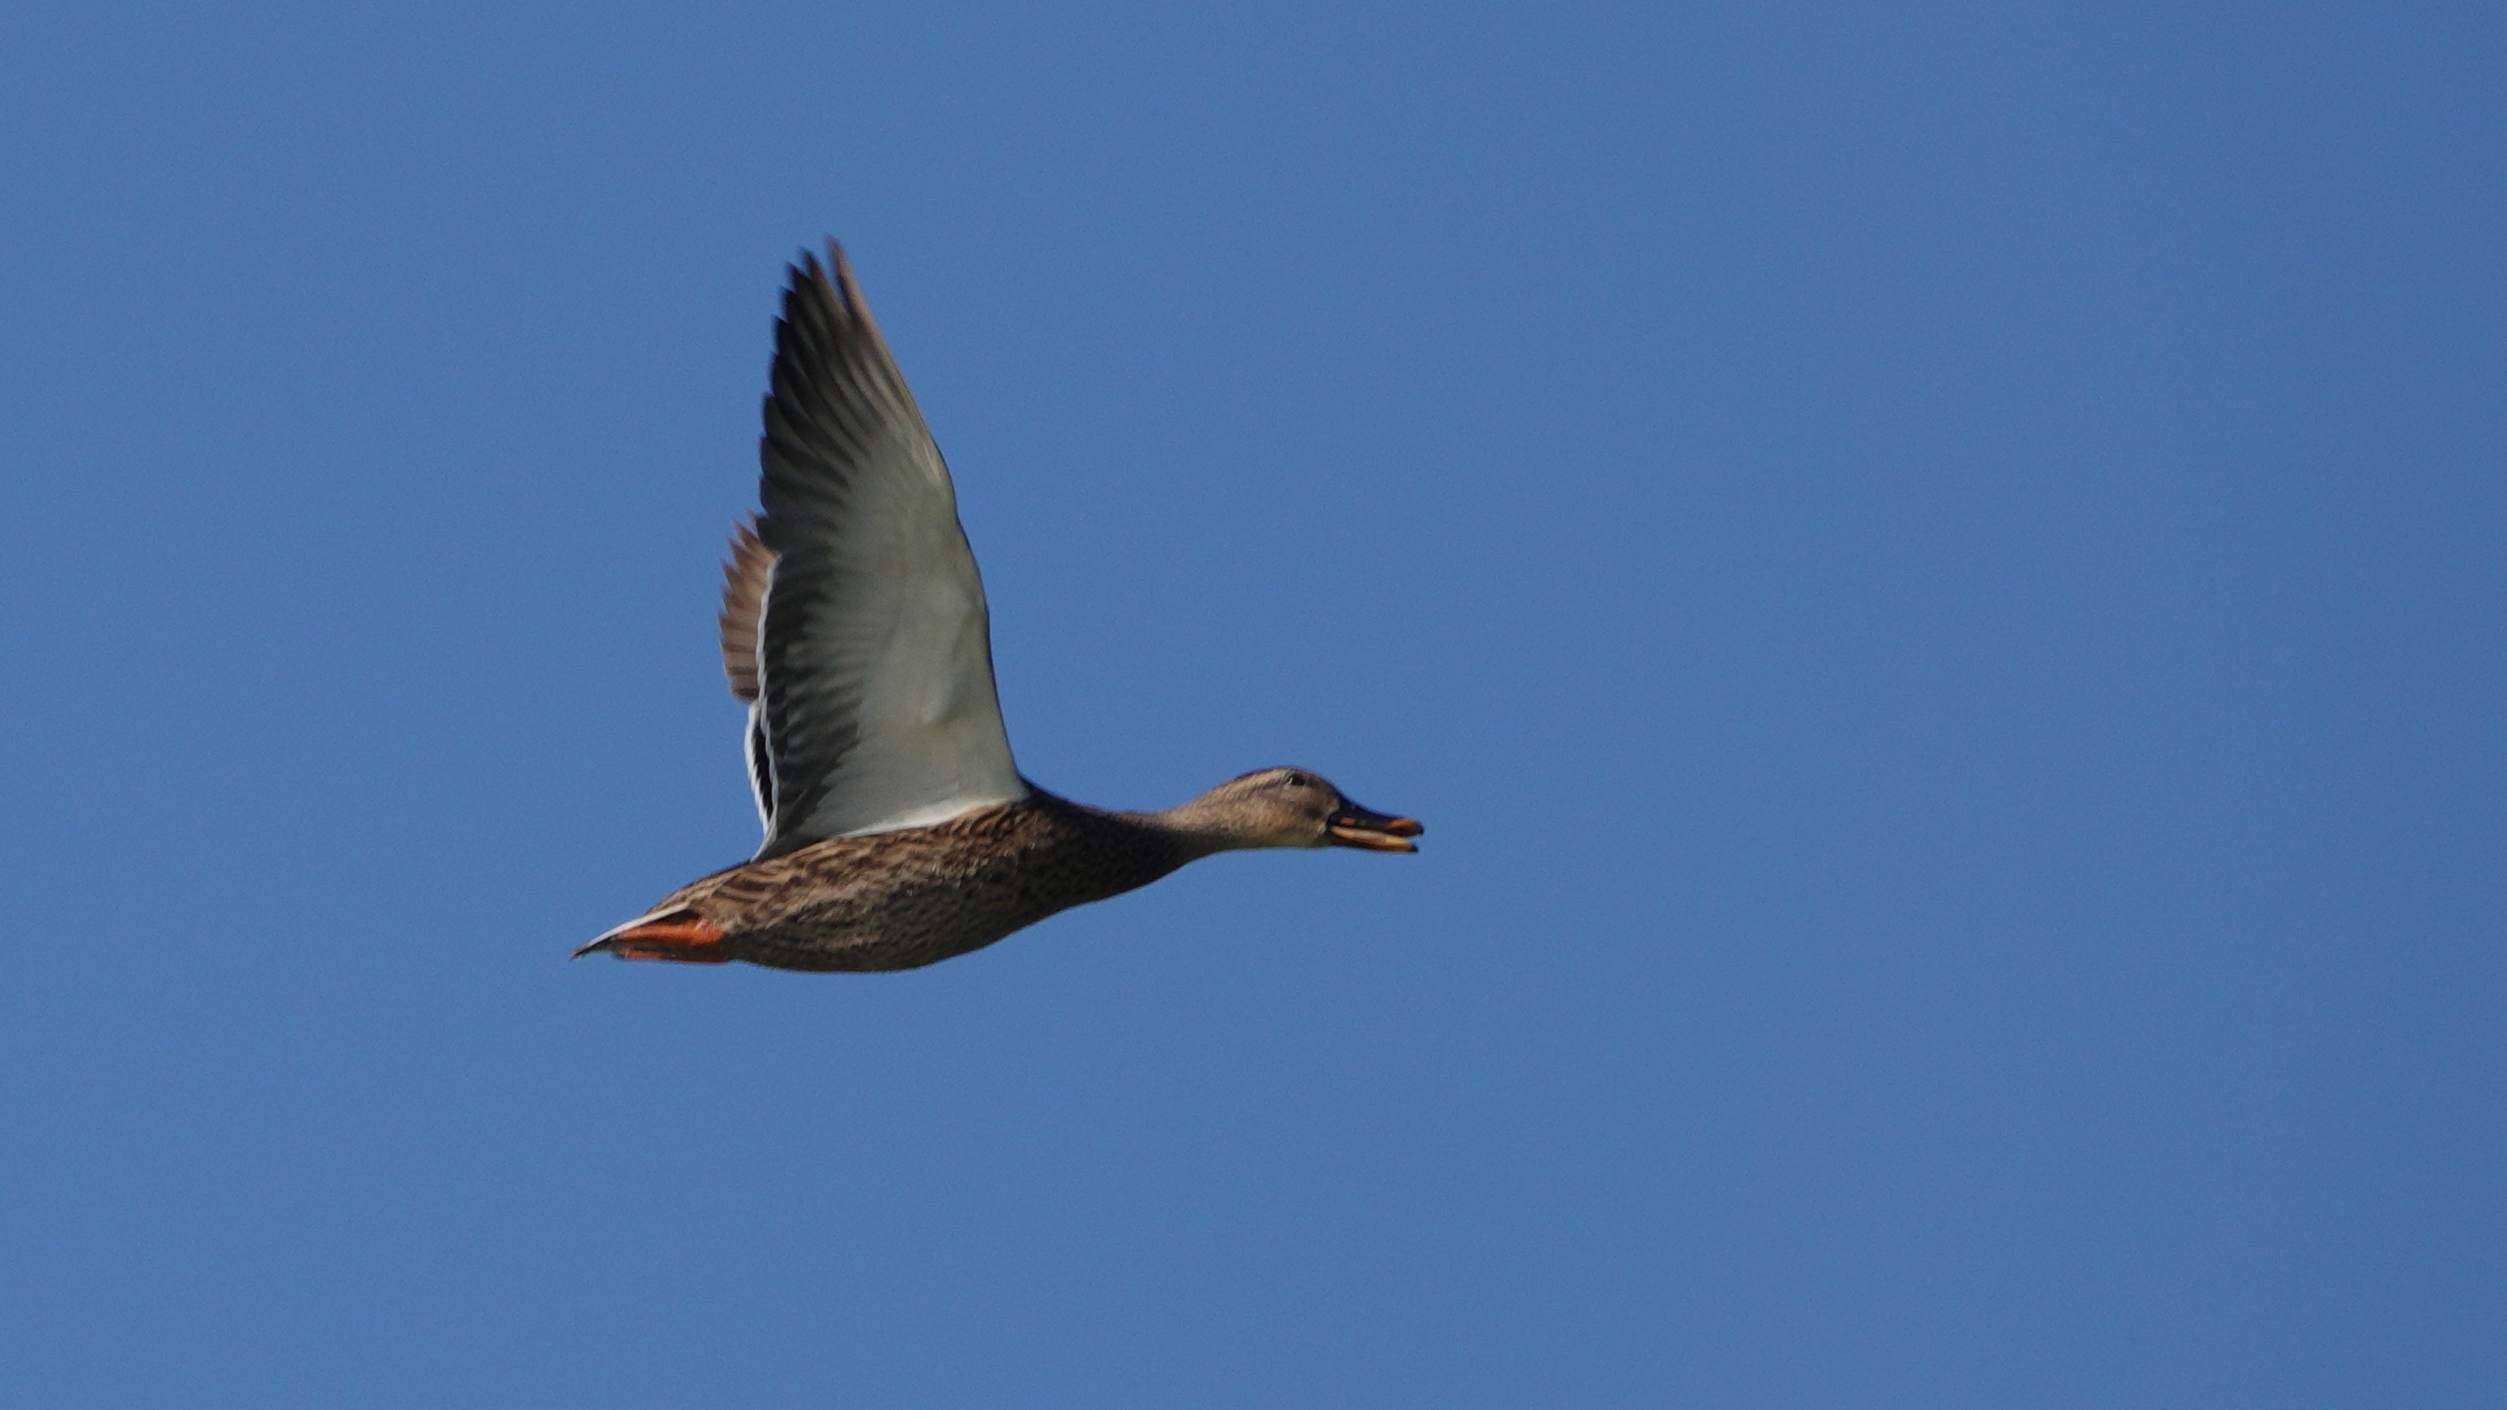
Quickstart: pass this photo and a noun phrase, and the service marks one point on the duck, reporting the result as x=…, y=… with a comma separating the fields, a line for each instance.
x=899, y=831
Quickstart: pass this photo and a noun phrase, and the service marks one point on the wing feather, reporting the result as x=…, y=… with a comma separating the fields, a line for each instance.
x=877, y=708
x=744, y=606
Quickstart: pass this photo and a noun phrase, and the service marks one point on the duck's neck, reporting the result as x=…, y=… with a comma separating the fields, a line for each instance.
x=1194, y=829
x=1144, y=846
x=1131, y=849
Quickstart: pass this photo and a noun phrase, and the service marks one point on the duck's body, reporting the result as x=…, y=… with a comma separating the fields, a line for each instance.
x=898, y=830
x=896, y=900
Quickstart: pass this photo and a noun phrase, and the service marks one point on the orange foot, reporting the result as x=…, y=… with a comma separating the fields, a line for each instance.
x=681, y=935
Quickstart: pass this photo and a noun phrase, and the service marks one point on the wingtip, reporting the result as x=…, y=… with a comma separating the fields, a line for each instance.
x=846, y=287
x=835, y=277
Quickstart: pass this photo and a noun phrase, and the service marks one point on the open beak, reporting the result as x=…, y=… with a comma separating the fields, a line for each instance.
x=1353, y=826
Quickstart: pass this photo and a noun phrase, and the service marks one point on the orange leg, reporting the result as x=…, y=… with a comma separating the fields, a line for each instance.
x=683, y=937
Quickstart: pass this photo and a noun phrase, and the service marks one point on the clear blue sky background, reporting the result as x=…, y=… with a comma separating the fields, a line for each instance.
x=1936, y=573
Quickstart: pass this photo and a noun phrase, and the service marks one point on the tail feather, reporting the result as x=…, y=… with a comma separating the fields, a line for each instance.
x=675, y=934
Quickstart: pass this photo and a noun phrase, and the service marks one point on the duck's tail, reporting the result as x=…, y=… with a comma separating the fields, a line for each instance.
x=673, y=934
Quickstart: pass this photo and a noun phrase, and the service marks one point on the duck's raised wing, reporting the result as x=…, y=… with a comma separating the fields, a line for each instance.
x=876, y=708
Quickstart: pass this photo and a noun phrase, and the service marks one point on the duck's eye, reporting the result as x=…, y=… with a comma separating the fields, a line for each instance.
x=1298, y=780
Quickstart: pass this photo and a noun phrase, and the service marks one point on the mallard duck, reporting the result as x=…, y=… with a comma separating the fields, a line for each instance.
x=899, y=831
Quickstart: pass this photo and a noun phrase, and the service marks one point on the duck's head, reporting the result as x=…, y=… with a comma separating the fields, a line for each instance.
x=1291, y=807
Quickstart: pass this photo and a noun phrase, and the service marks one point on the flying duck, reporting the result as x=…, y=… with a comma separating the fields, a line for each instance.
x=899, y=832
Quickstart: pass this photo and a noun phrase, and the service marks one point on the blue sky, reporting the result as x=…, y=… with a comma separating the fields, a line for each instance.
x=1935, y=573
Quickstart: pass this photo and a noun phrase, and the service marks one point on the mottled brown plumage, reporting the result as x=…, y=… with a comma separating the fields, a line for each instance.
x=896, y=900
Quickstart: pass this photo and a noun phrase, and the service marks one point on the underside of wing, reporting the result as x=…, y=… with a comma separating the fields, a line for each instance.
x=744, y=608
x=873, y=657
x=742, y=623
